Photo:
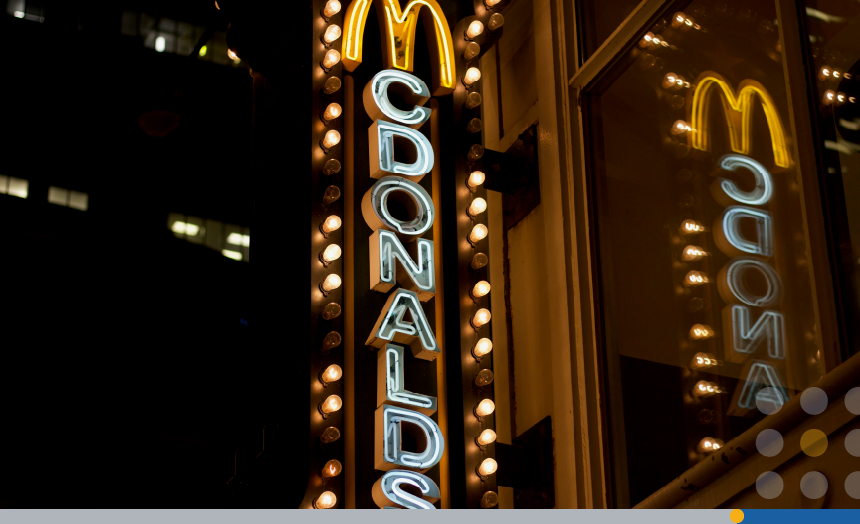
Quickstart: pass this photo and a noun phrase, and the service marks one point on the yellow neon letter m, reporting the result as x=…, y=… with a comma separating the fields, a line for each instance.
x=738, y=110
x=398, y=34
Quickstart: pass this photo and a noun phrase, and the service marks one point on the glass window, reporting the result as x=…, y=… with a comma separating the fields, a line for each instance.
x=832, y=27
x=599, y=19
x=705, y=297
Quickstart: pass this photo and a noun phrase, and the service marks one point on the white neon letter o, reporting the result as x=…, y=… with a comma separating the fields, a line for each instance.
x=733, y=288
x=374, y=207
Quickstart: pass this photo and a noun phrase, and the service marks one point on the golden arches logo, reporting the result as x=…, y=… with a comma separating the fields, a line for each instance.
x=738, y=110
x=399, y=37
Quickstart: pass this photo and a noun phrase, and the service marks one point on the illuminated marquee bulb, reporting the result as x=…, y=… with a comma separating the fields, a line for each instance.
x=678, y=19
x=331, y=311
x=824, y=73
x=329, y=435
x=472, y=50
x=331, y=112
x=480, y=290
x=331, y=139
x=479, y=205
x=487, y=437
x=701, y=332
x=473, y=74
x=646, y=40
x=331, y=374
x=325, y=501
x=691, y=227
x=829, y=97
x=482, y=348
x=331, y=341
x=490, y=500
x=331, y=59
x=479, y=232
x=484, y=378
x=487, y=468
x=479, y=260
x=680, y=127
x=332, y=7
x=473, y=100
x=484, y=408
x=474, y=30
x=496, y=21
x=331, y=34
x=330, y=225
x=669, y=80
x=330, y=283
x=703, y=361
x=475, y=179
x=331, y=253
x=693, y=253
x=475, y=125
x=704, y=388
x=709, y=445
x=232, y=55
x=331, y=469
x=475, y=152
x=330, y=405
x=840, y=98
x=332, y=167
x=481, y=318
x=695, y=278
x=331, y=85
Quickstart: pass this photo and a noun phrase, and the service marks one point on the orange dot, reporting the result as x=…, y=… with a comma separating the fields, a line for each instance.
x=737, y=516
x=813, y=442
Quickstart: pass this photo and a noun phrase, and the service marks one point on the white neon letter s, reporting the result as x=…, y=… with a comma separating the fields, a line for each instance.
x=732, y=242
x=387, y=489
x=381, y=137
x=389, y=453
x=379, y=107
x=725, y=191
x=386, y=249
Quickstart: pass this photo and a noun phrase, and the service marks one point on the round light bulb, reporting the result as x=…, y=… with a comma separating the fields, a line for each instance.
x=479, y=232
x=703, y=388
x=485, y=408
x=487, y=437
x=691, y=227
x=331, y=85
x=479, y=205
x=331, y=34
x=332, y=166
x=332, y=57
x=332, y=468
x=490, y=500
x=476, y=179
x=481, y=318
x=332, y=138
x=330, y=435
x=484, y=378
x=332, y=374
x=646, y=40
x=487, y=467
x=483, y=347
x=701, y=332
x=331, y=404
x=479, y=260
x=707, y=445
x=331, y=224
x=473, y=74
x=472, y=50
x=678, y=19
x=332, y=193
x=475, y=152
x=331, y=341
x=496, y=21
x=481, y=289
x=693, y=253
x=331, y=283
x=673, y=82
x=702, y=361
x=475, y=125
x=474, y=30
x=331, y=254
x=695, y=278
x=325, y=501
x=331, y=8
x=680, y=127
x=331, y=311
x=331, y=112
x=473, y=100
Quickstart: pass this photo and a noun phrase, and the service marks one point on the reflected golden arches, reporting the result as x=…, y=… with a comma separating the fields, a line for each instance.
x=398, y=30
x=738, y=109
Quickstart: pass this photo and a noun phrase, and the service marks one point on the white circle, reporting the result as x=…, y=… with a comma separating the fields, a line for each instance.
x=852, y=401
x=813, y=401
x=852, y=485
x=852, y=443
x=764, y=400
x=769, y=485
x=813, y=485
x=769, y=443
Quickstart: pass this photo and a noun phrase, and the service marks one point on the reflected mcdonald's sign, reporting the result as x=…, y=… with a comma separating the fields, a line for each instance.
x=738, y=109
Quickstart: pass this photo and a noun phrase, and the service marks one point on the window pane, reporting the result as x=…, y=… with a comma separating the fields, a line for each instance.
x=836, y=55
x=598, y=19
x=705, y=295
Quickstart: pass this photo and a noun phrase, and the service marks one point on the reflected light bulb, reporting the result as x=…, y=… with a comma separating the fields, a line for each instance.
x=481, y=318
x=479, y=260
x=484, y=378
x=496, y=21
x=475, y=179
x=472, y=50
x=490, y=500
x=330, y=435
x=482, y=348
x=325, y=501
x=680, y=127
x=481, y=289
x=331, y=8
x=479, y=205
x=474, y=30
x=332, y=138
x=331, y=85
x=691, y=227
x=708, y=445
x=487, y=437
x=473, y=74
x=331, y=404
x=332, y=57
x=331, y=34
x=695, y=278
x=473, y=100
x=484, y=408
x=330, y=283
x=487, y=467
x=331, y=341
x=479, y=232
x=678, y=19
x=331, y=374
x=331, y=469
x=703, y=360
x=331, y=224
x=331, y=112
x=331, y=311
x=331, y=253
x=693, y=253
x=646, y=40
x=701, y=332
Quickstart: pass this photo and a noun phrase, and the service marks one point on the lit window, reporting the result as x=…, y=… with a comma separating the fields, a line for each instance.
x=66, y=198
x=238, y=239
x=235, y=255
x=18, y=187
